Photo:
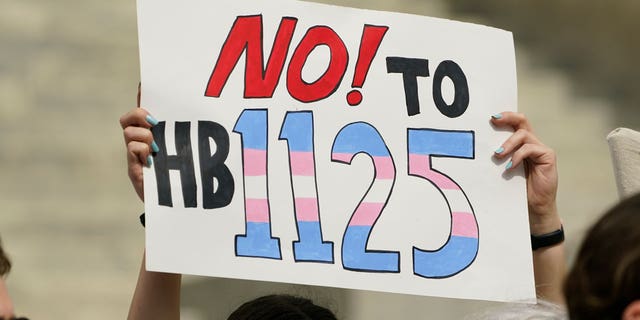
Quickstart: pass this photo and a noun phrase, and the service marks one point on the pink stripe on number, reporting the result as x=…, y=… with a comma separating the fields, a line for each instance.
x=307, y=209
x=384, y=168
x=302, y=163
x=366, y=214
x=257, y=210
x=254, y=162
x=464, y=224
x=420, y=165
x=346, y=157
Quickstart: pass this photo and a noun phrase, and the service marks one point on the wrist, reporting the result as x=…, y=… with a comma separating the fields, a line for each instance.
x=543, y=221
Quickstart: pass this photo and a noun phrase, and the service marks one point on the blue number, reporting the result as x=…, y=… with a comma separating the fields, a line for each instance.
x=462, y=246
x=297, y=129
x=257, y=240
x=360, y=137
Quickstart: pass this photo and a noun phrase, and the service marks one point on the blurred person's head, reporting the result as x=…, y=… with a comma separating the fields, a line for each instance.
x=281, y=307
x=604, y=282
x=6, y=306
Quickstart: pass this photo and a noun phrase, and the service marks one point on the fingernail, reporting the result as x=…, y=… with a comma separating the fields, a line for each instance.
x=152, y=121
x=149, y=161
x=497, y=116
x=154, y=146
x=509, y=165
x=499, y=150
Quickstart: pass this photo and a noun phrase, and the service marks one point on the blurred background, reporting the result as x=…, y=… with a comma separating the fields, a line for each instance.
x=69, y=69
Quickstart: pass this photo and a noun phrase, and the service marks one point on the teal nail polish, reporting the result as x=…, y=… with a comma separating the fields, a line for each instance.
x=497, y=116
x=154, y=146
x=499, y=150
x=152, y=121
x=509, y=165
x=149, y=161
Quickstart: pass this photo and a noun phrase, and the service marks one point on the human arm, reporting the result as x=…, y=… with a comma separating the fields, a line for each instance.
x=6, y=305
x=157, y=295
x=539, y=161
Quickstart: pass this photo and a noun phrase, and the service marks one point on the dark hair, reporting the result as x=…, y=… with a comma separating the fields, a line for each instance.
x=5, y=264
x=281, y=307
x=605, y=277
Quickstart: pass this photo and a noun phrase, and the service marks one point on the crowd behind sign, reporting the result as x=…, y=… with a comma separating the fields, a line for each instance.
x=332, y=146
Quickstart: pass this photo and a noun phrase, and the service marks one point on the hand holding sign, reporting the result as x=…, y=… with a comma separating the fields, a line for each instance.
x=540, y=163
x=139, y=141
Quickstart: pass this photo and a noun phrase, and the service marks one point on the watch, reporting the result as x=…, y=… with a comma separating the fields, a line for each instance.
x=547, y=239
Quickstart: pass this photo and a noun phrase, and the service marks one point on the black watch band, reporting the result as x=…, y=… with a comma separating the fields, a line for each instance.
x=142, y=219
x=547, y=239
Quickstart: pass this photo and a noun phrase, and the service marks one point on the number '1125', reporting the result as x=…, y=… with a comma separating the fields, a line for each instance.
x=297, y=130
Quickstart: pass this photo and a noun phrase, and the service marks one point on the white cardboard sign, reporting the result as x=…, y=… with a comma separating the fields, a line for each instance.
x=323, y=145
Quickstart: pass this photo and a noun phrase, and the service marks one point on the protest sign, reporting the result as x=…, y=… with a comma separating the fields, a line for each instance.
x=323, y=145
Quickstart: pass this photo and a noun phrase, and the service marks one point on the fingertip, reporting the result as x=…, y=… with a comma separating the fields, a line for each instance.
x=151, y=120
x=497, y=116
x=509, y=165
x=500, y=153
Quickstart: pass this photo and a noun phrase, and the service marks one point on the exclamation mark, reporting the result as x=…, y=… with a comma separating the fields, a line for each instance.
x=369, y=44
